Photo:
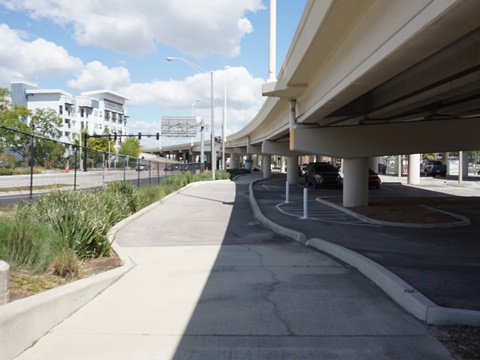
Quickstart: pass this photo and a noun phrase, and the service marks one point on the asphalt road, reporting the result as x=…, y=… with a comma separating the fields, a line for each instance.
x=440, y=263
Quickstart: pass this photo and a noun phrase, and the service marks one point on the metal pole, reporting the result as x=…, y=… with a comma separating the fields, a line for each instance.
x=224, y=125
x=273, y=42
x=75, y=170
x=32, y=160
x=202, y=148
x=305, y=203
x=212, y=144
x=286, y=193
x=85, y=137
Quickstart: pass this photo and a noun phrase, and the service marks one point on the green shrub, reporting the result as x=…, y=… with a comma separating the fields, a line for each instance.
x=6, y=171
x=81, y=219
x=123, y=188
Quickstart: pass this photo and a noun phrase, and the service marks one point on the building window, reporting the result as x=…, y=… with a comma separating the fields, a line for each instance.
x=60, y=109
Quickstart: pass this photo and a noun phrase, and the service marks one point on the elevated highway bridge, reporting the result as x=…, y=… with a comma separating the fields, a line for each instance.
x=368, y=78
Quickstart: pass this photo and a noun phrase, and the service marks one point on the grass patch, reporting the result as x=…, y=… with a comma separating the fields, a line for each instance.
x=37, y=187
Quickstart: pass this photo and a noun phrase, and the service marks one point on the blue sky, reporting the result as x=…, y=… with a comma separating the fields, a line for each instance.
x=122, y=45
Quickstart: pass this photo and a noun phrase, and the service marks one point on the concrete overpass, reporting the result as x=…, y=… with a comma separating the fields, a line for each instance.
x=368, y=78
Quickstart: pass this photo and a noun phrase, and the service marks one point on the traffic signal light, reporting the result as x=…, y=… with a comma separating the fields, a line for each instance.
x=114, y=137
x=158, y=136
x=139, y=136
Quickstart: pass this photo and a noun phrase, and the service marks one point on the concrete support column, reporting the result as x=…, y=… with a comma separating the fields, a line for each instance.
x=446, y=161
x=282, y=163
x=413, y=169
x=399, y=165
x=460, y=167
x=267, y=166
x=311, y=158
x=373, y=163
x=355, y=182
x=4, y=282
x=292, y=170
x=465, y=164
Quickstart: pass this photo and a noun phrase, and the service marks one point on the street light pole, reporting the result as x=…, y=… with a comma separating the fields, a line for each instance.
x=224, y=125
x=212, y=139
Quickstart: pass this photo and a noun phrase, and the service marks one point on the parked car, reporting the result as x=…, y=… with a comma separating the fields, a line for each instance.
x=374, y=180
x=433, y=168
x=322, y=174
x=141, y=167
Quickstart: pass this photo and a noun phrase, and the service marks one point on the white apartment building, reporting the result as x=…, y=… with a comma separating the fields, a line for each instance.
x=99, y=111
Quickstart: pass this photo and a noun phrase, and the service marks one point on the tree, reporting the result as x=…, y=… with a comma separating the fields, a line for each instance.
x=14, y=117
x=130, y=147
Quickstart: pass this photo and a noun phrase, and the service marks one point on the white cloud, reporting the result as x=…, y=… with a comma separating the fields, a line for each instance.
x=135, y=26
x=95, y=75
x=24, y=60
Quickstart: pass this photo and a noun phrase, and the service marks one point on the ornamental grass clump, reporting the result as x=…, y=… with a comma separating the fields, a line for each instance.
x=28, y=245
x=81, y=219
x=129, y=191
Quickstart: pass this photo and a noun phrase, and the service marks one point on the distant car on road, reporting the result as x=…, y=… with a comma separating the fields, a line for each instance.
x=141, y=167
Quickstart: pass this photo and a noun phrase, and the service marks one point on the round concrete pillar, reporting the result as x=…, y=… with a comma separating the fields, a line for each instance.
x=355, y=182
x=465, y=164
x=413, y=169
x=282, y=163
x=267, y=166
x=446, y=161
x=292, y=170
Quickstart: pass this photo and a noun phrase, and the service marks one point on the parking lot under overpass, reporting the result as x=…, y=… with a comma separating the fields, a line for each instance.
x=370, y=78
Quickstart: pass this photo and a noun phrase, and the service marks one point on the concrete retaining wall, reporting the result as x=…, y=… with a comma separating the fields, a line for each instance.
x=4, y=282
x=24, y=321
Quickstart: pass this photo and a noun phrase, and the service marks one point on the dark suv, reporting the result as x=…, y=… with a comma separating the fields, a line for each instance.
x=322, y=174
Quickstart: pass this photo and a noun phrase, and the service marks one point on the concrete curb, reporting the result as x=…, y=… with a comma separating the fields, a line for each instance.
x=281, y=230
x=462, y=220
x=404, y=294
x=24, y=321
x=398, y=290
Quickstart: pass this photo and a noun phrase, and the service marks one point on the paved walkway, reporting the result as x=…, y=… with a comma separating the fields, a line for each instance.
x=211, y=283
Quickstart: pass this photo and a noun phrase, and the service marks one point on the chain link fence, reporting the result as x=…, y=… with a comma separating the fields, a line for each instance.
x=35, y=164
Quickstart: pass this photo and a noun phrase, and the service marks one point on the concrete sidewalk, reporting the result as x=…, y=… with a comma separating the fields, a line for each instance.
x=210, y=283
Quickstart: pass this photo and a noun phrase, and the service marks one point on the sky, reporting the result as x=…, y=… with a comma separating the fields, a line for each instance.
x=122, y=46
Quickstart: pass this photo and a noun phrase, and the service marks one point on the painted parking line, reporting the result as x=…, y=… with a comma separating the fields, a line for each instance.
x=321, y=213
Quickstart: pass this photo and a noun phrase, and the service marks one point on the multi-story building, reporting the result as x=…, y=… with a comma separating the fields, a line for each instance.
x=97, y=112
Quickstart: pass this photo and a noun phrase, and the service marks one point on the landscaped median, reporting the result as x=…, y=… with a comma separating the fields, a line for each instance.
x=24, y=321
